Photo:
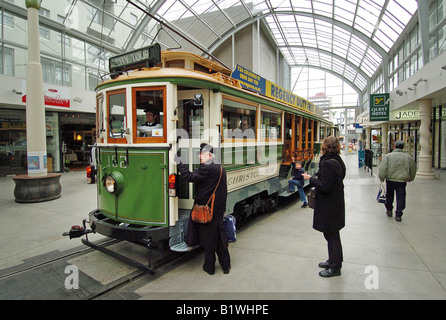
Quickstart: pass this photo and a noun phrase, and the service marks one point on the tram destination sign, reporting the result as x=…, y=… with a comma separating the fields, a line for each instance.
x=143, y=57
x=379, y=107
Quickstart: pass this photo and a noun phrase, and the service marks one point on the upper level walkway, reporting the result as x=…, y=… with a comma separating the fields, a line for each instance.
x=276, y=257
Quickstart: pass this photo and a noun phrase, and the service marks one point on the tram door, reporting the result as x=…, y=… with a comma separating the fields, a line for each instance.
x=193, y=123
x=292, y=136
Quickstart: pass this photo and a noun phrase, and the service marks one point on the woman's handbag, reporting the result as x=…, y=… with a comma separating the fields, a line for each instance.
x=381, y=197
x=312, y=198
x=204, y=213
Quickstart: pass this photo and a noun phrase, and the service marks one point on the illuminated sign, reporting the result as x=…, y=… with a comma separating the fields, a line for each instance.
x=144, y=57
x=256, y=83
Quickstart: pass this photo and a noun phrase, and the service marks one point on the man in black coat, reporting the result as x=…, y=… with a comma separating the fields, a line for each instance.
x=329, y=212
x=211, y=236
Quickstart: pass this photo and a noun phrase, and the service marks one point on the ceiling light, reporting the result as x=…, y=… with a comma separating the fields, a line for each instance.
x=443, y=67
x=410, y=88
x=419, y=80
x=399, y=92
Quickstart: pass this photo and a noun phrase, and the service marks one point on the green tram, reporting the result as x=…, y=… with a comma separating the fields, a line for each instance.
x=140, y=196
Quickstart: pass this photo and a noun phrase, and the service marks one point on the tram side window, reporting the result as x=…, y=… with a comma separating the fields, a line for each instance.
x=100, y=127
x=239, y=120
x=271, y=125
x=116, y=115
x=149, y=112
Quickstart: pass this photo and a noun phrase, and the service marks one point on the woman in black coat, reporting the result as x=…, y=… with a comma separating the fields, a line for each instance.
x=329, y=211
x=211, y=236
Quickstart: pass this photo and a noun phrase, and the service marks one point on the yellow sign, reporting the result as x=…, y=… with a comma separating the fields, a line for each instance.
x=279, y=93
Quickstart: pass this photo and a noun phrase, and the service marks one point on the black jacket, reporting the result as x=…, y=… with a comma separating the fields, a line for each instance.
x=329, y=213
x=297, y=173
x=205, y=178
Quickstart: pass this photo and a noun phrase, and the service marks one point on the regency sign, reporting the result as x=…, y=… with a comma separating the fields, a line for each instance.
x=256, y=83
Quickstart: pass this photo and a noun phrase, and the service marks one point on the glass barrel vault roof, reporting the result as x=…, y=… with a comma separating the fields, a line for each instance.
x=347, y=37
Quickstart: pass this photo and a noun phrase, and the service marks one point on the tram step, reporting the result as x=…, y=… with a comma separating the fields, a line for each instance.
x=183, y=247
x=286, y=193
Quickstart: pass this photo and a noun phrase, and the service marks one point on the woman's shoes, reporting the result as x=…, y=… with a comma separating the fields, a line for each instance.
x=324, y=265
x=328, y=272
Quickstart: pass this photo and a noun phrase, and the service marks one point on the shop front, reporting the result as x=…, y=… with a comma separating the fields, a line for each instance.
x=13, y=142
x=69, y=137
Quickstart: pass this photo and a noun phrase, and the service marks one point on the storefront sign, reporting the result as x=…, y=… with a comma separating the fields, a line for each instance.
x=379, y=107
x=56, y=96
x=405, y=115
x=256, y=83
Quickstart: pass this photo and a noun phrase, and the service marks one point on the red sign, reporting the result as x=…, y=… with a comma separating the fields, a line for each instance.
x=53, y=100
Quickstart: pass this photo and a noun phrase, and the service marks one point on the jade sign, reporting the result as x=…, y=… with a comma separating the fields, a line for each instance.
x=379, y=107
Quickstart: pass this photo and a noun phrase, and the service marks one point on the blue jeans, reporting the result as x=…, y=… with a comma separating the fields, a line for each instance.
x=300, y=187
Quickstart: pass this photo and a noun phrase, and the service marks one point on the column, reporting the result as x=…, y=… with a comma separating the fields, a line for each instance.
x=385, y=134
x=35, y=108
x=38, y=185
x=368, y=139
x=425, y=159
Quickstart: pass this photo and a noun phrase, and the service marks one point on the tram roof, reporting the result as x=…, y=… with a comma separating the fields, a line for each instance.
x=220, y=81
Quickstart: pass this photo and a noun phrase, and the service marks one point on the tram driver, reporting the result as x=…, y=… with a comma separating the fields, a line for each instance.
x=151, y=127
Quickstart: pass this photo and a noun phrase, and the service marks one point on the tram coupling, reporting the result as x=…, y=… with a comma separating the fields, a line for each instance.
x=77, y=231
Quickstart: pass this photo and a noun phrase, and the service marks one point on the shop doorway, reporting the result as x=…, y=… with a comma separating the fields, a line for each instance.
x=77, y=138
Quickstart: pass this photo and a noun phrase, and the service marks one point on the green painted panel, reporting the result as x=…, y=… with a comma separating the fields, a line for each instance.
x=144, y=199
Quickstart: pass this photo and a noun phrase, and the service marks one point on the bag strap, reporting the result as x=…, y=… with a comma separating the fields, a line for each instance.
x=218, y=183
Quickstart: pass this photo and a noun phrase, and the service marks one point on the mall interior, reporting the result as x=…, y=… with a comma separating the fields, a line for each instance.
x=342, y=52
x=377, y=68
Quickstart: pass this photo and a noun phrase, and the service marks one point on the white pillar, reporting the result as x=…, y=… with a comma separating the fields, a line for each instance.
x=35, y=108
x=385, y=134
x=425, y=158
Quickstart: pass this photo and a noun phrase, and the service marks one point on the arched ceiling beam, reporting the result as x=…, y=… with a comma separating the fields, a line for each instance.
x=340, y=24
x=336, y=74
x=142, y=25
x=347, y=62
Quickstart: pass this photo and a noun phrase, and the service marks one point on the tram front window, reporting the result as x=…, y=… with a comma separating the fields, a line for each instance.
x=149, y=110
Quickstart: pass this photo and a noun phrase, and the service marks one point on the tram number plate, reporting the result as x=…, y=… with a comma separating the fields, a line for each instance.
x=121, y=162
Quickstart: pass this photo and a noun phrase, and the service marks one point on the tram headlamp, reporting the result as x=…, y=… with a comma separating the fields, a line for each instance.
x=114, y=183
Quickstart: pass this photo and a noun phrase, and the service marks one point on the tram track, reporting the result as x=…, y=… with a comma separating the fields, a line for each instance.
x=46, y=279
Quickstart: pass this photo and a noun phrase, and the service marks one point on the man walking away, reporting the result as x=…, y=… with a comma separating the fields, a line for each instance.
x=397, y=168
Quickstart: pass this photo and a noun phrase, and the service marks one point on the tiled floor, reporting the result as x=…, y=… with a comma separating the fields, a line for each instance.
x=277, y=256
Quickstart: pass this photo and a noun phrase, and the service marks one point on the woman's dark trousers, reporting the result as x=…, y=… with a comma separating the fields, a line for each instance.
x=335, y=257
